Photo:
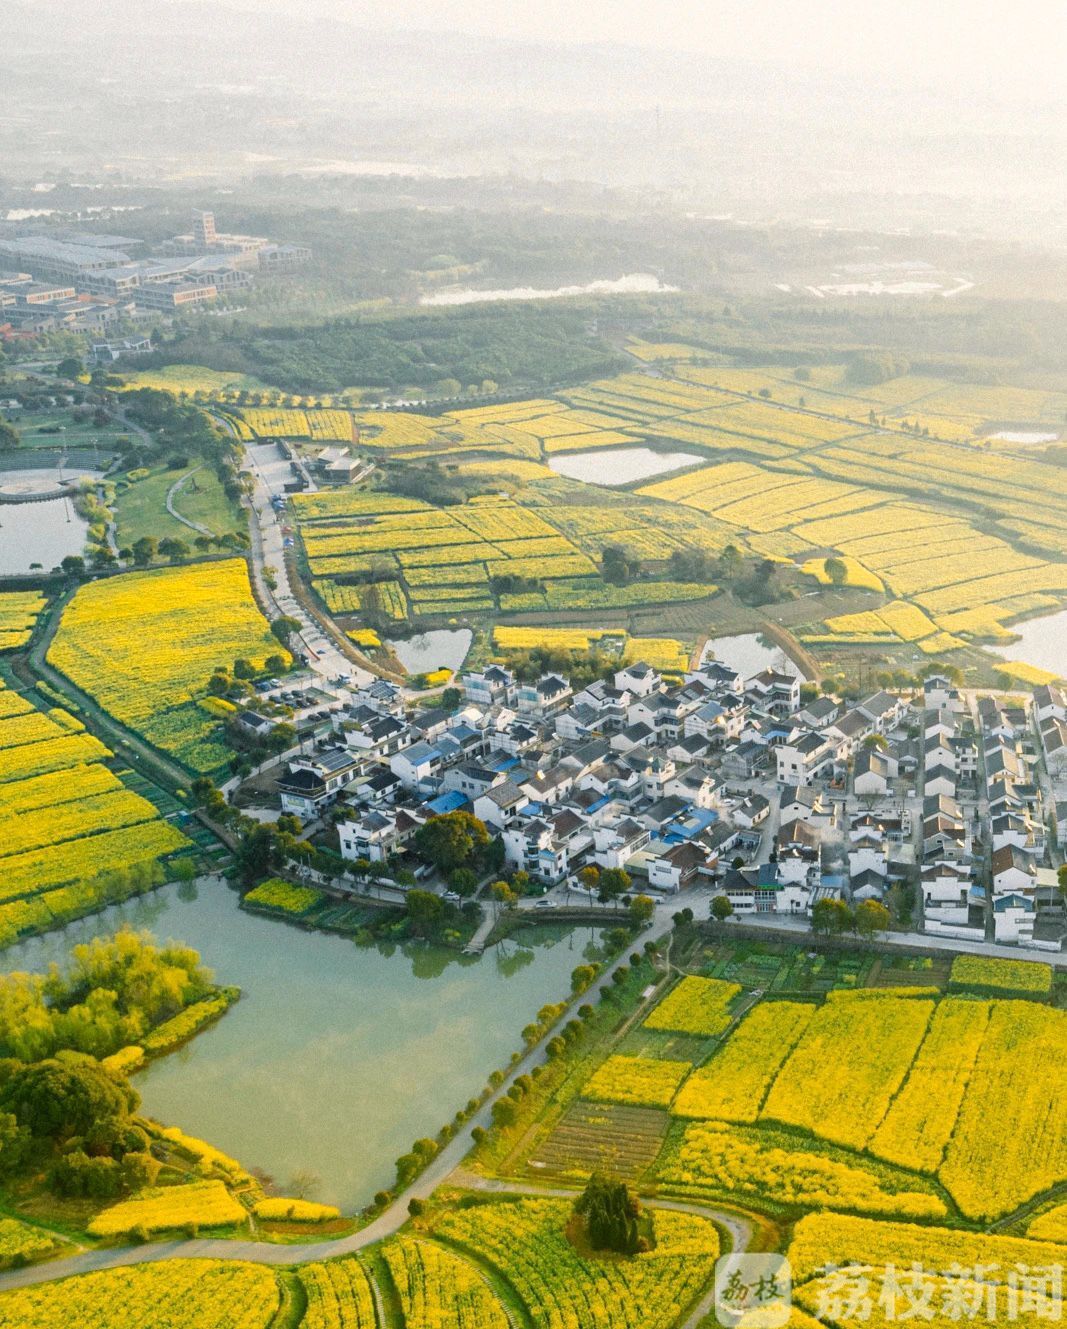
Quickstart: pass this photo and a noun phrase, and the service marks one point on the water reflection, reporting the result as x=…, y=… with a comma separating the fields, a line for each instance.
x=337, y=1056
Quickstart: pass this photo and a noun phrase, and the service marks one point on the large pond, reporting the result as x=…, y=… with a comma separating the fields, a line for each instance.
x=1042, y=642
x=337, y=1056
x=37, y=533
x=1027, y=437
x=749, y=653
x=618, y=466
x=443, y=648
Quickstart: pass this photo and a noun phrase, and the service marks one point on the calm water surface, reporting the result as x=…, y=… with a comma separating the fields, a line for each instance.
x=443, y=648
x=618, y=466
x=749, y=653
x=634, y=283
x=43, y=533
x=1042, y=642
x=337, y=1056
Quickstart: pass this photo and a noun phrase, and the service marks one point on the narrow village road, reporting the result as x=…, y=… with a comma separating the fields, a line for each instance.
x=269, y=470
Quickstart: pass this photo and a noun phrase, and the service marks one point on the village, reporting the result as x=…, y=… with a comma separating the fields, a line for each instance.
x=760, y=796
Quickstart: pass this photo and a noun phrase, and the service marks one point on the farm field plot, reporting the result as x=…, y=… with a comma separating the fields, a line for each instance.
x=144, y=646
x=207, y=1203
x=339, y=1296
x=840, y=1239
x=921, y=1120
x=640, y=1081
x=19, y=611
x=436, y=551
x=1019, y=1076
x=67, y=818
x=210, y=1294
x=850, y=1062
x=623, y=1141
x=526, y=1242
x=713, y=1157
x=733, y=1085
x=897, y=1083
x=438, y=1287
x=695, y=1006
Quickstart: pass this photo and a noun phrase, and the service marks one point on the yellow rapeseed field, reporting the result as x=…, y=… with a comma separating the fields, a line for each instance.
x=696, y=1006
x=144, y=645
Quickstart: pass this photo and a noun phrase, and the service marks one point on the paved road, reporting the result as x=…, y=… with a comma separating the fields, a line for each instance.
x=920, y=940
x=270, y=471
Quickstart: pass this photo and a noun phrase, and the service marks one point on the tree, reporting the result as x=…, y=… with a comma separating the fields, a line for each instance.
x=463, y=881
x=902, y=901
x=284, y=627
x=281, y=738
x=589, y=876
x=173, y=549
x=73, y=565
x=871, y=918
x=9, y=436
x=145, y=550
x=721, y=908
x=503, y=894
x=642, y=909
x=57, y=1100
x=451, y=841
x=610, y=1212
x=830, y=917
x=425, y=912
x=582, y=976
x=258, y=853
x=69, y=367
x=275, y=664
x=243, y=668
x=837, y=571
x=303, y=1183
x=613, y=883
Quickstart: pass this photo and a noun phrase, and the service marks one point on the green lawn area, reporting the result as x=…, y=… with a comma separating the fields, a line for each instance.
x=193, y=378
x=141, y=507
x=72, y=434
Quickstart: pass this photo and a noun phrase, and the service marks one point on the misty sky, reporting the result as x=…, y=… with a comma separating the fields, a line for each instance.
x=1007, y=49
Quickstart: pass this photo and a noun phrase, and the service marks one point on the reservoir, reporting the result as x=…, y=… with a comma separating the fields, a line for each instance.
x=338, y=1056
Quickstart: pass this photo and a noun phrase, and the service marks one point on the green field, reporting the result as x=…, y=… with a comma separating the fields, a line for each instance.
x=141, y=507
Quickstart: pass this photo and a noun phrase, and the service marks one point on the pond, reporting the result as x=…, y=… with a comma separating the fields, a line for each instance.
x=443, y=648
x=337, y=1056
x=619, y=466
x=1028, y=437
x=1042, y=643
x=749, y=653
x=634, y=283
x=43, y=533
